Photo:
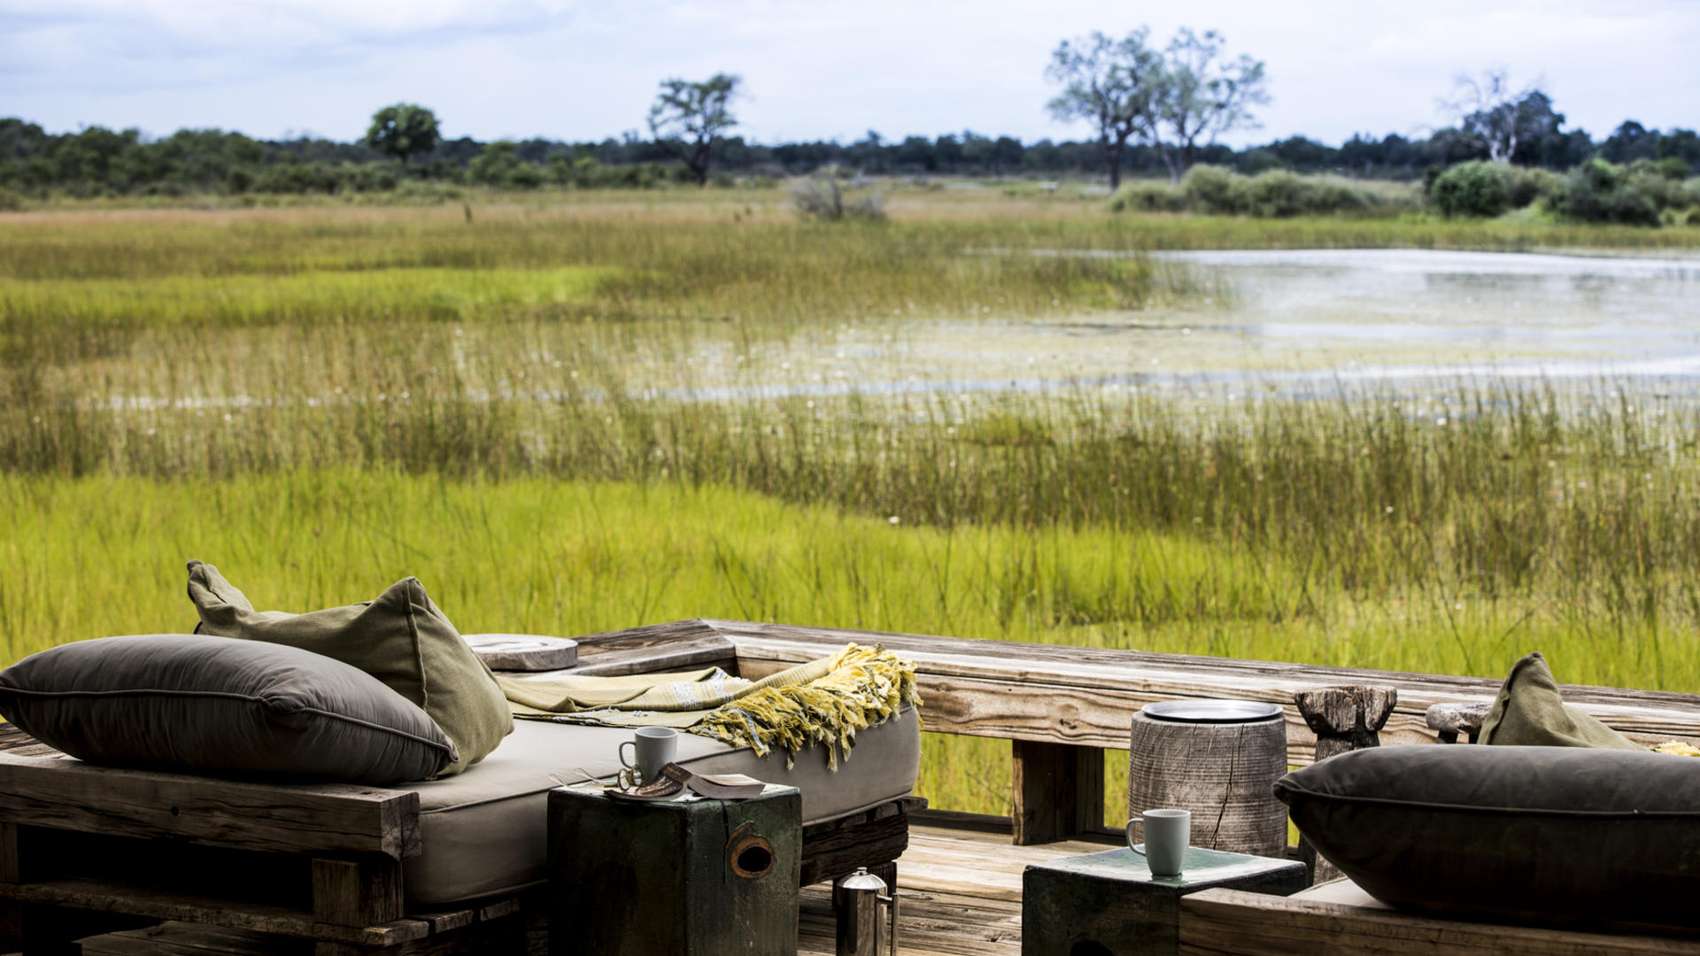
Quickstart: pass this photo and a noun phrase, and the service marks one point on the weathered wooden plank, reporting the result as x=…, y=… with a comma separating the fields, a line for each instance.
x=832, y=850
x=687, y=653
x=334, y=818
x=1056, y=791
x=1236, y=923
x=524, y=652
x=640, y=638
x=97, y=897
x=188, y=939
x=1085, y=695
x=930, y=924
x=357, y=892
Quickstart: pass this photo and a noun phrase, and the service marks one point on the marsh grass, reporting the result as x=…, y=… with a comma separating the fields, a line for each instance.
x=532, y=412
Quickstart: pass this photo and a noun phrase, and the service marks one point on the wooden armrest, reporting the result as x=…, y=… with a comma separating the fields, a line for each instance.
x=68, y=794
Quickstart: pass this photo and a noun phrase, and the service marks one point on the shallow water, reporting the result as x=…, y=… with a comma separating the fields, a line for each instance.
x=1299, y=320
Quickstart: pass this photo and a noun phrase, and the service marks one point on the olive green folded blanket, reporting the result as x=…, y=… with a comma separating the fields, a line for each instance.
x=822, y=701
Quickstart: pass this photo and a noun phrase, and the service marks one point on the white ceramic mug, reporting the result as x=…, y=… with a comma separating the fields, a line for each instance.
x=1167, y=833
x=652, y=749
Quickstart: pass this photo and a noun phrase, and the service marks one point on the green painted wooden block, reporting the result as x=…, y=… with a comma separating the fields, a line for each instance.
x=1109, y=904
x=699, y=878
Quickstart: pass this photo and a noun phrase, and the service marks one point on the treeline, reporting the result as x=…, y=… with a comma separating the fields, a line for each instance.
x=97, y=161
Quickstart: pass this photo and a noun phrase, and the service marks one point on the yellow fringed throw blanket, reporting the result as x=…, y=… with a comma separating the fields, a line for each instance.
x=823, y=701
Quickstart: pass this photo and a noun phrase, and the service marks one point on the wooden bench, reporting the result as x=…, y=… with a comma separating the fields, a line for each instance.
x=1340, y=918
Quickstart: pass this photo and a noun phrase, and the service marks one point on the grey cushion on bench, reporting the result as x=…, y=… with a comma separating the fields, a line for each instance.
x=483, y=831
x=1557, y=835
x=216, y=704
x=401, y=638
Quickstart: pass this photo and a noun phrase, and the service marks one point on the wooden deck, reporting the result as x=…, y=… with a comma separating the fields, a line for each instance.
x=961, y=896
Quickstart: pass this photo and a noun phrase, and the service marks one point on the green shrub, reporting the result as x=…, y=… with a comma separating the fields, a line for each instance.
x=1276, y=194
x=1599, y=191
x=1478, y=188
x=1212, y=189
x=10, y=201
x=1531, y=184
x=1147, y=195
x=1273, y=194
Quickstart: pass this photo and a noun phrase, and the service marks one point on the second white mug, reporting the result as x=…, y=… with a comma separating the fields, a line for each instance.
x=1167, y=833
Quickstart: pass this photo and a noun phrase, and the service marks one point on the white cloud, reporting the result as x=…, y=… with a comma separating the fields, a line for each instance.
x=815, y=69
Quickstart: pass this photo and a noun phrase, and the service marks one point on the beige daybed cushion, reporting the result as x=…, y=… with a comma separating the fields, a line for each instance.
x=483, y=832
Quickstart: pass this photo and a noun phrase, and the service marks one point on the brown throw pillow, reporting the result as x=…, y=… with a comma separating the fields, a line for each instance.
x=401, y=639
x=192, y=703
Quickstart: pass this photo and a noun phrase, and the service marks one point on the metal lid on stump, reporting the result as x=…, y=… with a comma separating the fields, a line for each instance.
x=1212, y=711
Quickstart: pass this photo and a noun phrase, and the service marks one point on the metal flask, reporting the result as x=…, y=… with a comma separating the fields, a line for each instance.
x=859, y=915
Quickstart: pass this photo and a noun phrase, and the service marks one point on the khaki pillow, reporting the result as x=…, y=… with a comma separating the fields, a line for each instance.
x=400, y=638
x=1530, y=712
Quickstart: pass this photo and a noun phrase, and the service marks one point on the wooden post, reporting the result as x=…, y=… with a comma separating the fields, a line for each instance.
x=1058, y=791
x=1343, y=719
x=357, y=892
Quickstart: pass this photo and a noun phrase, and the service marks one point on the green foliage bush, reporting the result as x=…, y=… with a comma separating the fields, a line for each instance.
x=1600, y=191
x=1273, y=194
x=1529, y=185
x=1147, y=195
x=584, y=172
x=1478, y=188
x=1212, y=189
x=10, y=201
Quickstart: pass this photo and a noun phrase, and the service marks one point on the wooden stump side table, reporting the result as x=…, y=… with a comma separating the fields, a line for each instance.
x=1109, y=904
x=671, y=878
x=1224, y=772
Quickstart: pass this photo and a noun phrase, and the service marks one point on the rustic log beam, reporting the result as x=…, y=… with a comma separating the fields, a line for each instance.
x=1058, y=791
x=1343, y=719
x=1448, y=720
x=70, y=795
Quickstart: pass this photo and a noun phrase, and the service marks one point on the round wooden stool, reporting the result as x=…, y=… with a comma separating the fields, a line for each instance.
x=1218, y=758
x=524, y=652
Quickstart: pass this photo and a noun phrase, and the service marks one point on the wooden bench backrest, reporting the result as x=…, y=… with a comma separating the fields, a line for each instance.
x=1086, y=696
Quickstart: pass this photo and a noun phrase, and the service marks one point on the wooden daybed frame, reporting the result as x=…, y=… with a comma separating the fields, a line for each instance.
x=86, y=849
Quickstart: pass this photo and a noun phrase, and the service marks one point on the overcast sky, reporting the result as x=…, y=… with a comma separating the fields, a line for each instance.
x=574, y=69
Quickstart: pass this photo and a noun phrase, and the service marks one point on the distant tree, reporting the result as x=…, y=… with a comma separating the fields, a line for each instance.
x=1629, y=142
x=403, y=130
x=1201, y=95
x=1499, y=115
x=1109, y=83
x=689, y=116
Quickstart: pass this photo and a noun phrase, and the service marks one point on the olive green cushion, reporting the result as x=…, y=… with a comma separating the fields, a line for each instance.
x=185, y=702
x=401, y=639
x=1530, y=712
x=1557, y=835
